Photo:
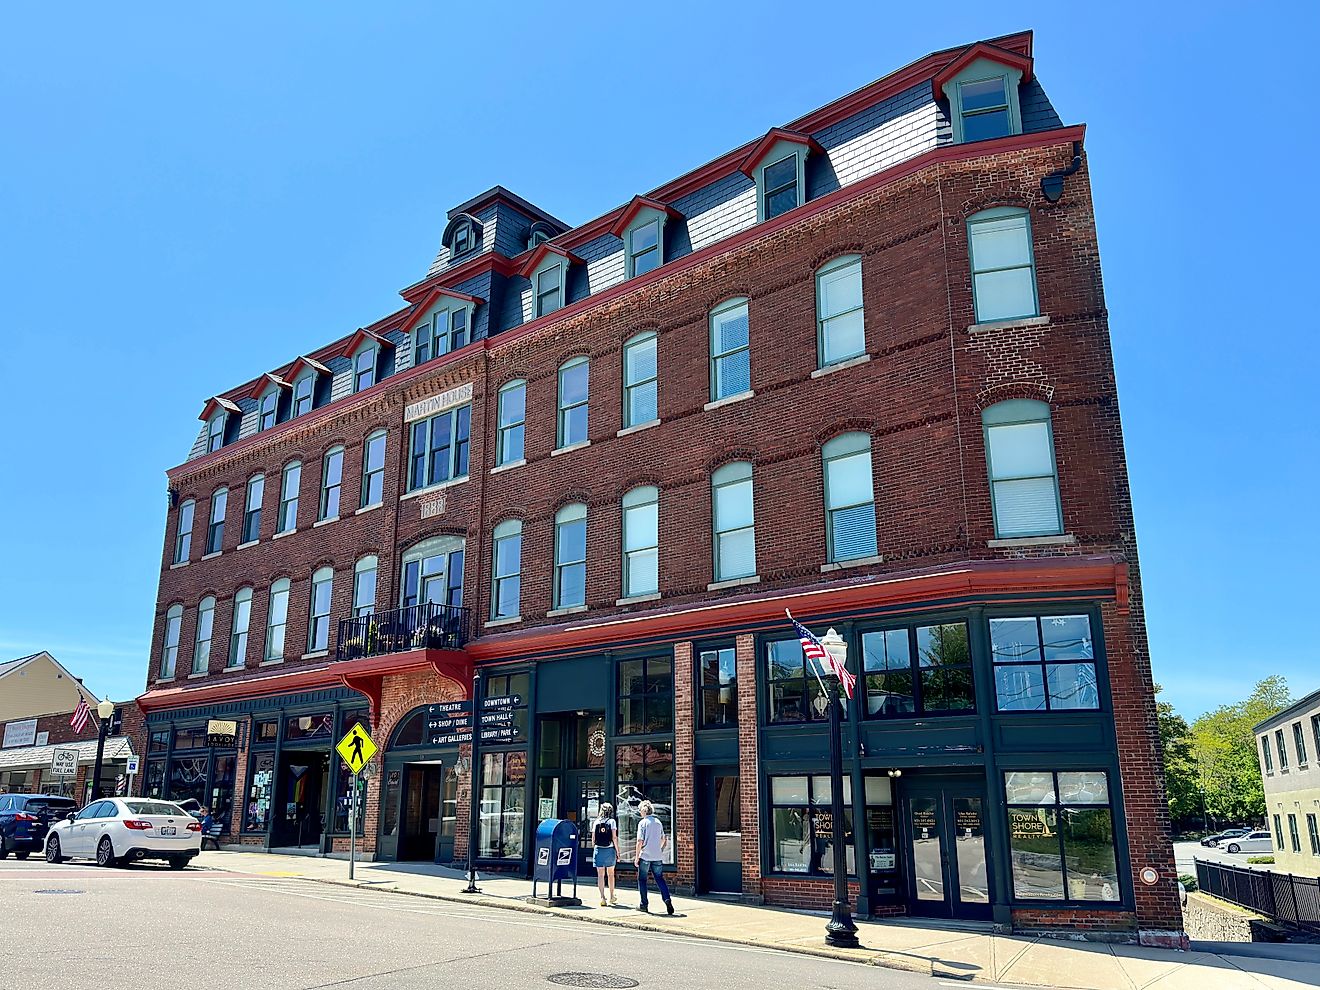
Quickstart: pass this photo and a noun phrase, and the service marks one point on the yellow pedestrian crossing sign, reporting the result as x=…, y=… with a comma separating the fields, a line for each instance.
x=356, y=748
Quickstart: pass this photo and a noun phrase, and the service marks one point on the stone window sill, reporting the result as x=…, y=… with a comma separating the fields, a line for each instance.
x=325, y=522
x=728, y=400
x=177, y=564
x=441, y=486
x=212, y=556
x=282, y=535
x=734, y=582
x=851, y=362
x=507, y=621
x=1067, y=539
x=193, y=677
x=1018, y=324
x=271, y=663
x=501, y=468
x=164, y=680
x=572, y=446
x=368, y=508
x=637, y=599
x=843, y=565
x=555, y=613
x=638, y=428
x=314, y=655
x=249, y=543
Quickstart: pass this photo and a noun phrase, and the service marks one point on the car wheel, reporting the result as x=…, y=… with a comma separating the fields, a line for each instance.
x=178, y=862
x=105, y=852
x=1233, y=847
x=53, y=850
x=21, y=853
x=4, y=853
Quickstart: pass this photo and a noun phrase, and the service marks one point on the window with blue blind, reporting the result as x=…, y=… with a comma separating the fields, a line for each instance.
x=640, y=381
x=512, y=421
x=840, y=320
x=573, y=405
x=849, y=497
x=570, y=576
x=730, y=350
x=506, y=599
x=734, y=521
x=1003, y=267
x=641, y=541
x=1024, y=488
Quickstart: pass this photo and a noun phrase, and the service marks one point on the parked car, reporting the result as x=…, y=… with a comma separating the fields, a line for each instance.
x=1228, y=833
x=1252, y=842
x=121, y=830
x=25, y=818
x=192, y=806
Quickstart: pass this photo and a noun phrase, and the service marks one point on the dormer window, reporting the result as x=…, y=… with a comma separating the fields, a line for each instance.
x=778, y=165
x=641, y=227
x=462, y=235
x=644, y=248
x=539, y=233
x=223, y=418
x=981, y=85
x=780, y=183
x=215, y=432
x=302, y=394
x=269, y=411
x=985, y=108
x=463, y=241
x=364, y=369
x=549, y=289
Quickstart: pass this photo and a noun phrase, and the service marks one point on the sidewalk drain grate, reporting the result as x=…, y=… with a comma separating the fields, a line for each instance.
x=591, y=980
x=56, y=890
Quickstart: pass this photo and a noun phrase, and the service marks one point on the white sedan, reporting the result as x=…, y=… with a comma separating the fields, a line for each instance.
x=123, y=830
x=1252, y=842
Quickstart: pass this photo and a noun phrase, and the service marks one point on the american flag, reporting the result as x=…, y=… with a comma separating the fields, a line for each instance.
x=814, y=650
x=80, y=716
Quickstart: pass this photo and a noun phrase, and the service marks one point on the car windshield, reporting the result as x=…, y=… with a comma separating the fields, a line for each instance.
x=58, y=805
x=154, y=808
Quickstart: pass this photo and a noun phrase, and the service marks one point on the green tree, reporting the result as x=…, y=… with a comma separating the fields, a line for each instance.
x=1181, y=783
x=1223, y=747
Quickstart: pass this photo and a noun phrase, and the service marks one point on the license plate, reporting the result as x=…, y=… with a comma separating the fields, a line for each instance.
x=167, y=830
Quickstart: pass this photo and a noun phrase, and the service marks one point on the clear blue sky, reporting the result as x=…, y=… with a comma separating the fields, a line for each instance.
x=188, y=198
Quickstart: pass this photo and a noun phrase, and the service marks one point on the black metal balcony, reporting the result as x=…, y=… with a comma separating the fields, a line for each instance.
x=416, y=627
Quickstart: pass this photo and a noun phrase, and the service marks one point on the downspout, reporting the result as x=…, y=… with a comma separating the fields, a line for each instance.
x=1051, y=186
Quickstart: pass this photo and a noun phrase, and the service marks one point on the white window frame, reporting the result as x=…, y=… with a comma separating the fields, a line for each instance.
x=735, y=475
x=514, y=430
x=718, y=316
x=183, y=530
x=277, y=606
x=565, y=409
x=169, y=654
x=510, y=529
x=318, y=613
x=1005, y=415
x=288, y=518
x=332, y=463
x=569, y=515
x=204, y=635
x=242, y=617
x=823, y=320
x=844, y=446
x=640, y=499
x=640, y=340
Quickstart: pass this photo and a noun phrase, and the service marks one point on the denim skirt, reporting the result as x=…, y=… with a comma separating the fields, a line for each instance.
x=604, y=856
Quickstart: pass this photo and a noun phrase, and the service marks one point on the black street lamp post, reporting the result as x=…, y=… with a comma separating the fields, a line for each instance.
x=474, y=794
x=841, y=931
x=105, y=710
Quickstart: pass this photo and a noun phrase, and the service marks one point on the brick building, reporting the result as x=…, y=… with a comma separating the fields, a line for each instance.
x=858, y=367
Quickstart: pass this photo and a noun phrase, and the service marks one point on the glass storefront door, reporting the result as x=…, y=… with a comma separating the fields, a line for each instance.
x=422, y=812
x=944, y=821
x=720, y=830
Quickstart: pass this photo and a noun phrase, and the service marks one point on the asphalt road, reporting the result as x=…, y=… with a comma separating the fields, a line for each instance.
x=144, y=926
x=1185, y=854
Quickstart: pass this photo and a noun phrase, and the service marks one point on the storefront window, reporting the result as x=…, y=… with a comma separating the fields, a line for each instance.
x=505, y=693
x=265, y=730
x=320, y=726
x=389, y=819
x=1061, y=832
x=802, y=823
x=261, y=783
x=718, y=671
x=945, y=664
x=918, y=670
x=153, y=783
x=344, y=798
x=644, y=771
x=192, y=738
x=795, y=690
x=14, y=782
x=503, y=791
x=158, y=741
x=646, y=696
x=188, y=778
x=1044, y=663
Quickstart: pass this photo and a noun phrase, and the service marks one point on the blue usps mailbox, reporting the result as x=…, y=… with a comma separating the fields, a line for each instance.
x=556, y=861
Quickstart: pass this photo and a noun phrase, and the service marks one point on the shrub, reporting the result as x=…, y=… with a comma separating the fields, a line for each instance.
x=1260, y=860
x=1188, y=881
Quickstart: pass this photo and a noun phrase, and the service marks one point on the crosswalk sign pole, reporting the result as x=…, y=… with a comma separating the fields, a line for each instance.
x=352, y=826
x=356, y=749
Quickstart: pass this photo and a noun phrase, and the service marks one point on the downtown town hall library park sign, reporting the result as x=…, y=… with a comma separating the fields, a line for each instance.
x=449, y=723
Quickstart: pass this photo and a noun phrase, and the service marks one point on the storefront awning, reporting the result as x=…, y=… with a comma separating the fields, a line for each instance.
x=39, y=757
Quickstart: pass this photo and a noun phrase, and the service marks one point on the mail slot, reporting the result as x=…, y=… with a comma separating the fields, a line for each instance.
x=556, y=858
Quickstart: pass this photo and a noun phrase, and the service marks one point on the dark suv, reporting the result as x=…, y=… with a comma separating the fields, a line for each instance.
x=24, y=819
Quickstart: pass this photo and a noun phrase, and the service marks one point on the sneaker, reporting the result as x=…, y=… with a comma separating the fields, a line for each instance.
x=602, y=903
x=669, y=907
x=614, y=902
x=643, y=908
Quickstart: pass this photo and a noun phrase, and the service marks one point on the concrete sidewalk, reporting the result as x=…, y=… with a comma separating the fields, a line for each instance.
x=966, y=953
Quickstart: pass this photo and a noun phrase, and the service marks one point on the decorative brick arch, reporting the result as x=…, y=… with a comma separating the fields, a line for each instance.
x=1013, y=390
x=402, y=693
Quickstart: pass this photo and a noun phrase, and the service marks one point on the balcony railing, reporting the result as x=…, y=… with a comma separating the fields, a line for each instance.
x=416, y=627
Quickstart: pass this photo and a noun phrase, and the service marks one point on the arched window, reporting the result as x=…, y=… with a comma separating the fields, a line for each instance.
x=733, y=519
x=364, y=586
x=183, y=532
x=840, y=319
x=215, y=528
x=730, y=350
x=411, y=730
x=641, y=375
x=433, y=572
x=318, y=618
x=506, y=596
x=256, y=490
x=292, y=480
x=512, y=422
x=238, y=637
x=169, y=654
x=373, y=470
x=332, y=477
x=570, y=576
x=849, y=497
x=202, y=643
x=1024, y=484
x=641, y=541
x=1003, y=265
x=573, y=402
x=277, y=616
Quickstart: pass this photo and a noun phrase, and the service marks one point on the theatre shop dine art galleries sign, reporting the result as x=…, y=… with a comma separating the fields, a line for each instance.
x=450, y=723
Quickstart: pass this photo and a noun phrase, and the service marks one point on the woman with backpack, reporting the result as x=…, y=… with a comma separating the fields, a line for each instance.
x=605, y=839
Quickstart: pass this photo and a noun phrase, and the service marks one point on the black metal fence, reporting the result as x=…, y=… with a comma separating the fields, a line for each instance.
x=417, y=627
x=1281, y=896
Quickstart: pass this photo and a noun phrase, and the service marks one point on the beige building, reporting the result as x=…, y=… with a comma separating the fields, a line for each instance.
x=1288, y=747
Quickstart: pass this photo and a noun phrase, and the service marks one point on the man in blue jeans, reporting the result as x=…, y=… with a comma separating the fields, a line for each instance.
x=651, y=843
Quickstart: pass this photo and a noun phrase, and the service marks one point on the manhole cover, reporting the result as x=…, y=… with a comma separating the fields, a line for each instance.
x=58, y=891
x=591, y=980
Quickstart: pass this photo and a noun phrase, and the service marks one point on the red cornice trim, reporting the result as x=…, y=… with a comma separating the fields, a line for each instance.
x=256, y=687
x=538, y=255
x=289, y=373
x=1003, y=56
x=936, y=156
x=772, y=137
x=634, y=207
x=217, y=401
